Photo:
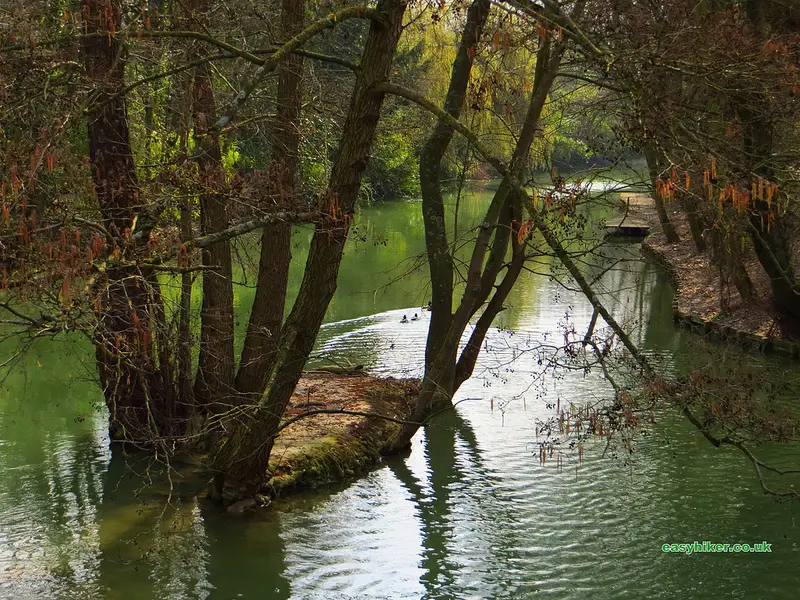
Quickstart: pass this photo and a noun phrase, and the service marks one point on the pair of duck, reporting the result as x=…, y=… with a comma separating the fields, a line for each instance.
x=405, y=319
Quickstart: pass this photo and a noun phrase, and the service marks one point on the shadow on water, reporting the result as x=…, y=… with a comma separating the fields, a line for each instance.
x=151, y=540
x=454, y=499
x=434, y=505
x=246, y=556
x=161, y=540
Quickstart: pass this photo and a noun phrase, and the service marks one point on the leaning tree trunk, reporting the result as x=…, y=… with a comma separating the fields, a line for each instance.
x=128, y=371
x=241, y=462
x=445, y=370
x=440, y=261
x=266, y=317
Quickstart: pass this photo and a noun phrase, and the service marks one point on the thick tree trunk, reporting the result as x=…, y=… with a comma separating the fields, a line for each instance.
x=110, y=152
x=123, y=339
x=772, y=249
x=242, y=461
x=214, y=384
x=266, y=317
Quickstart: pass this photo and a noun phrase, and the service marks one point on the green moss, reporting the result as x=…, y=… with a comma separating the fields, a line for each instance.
x=350, y=453
x=326, y=461
x=384, y=392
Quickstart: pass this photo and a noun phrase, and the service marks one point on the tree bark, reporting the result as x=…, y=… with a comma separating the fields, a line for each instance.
x=214, y=384
x=123, y=338
x=440, y=261
x=654, y=167
x=242, y=461
x=266, y=317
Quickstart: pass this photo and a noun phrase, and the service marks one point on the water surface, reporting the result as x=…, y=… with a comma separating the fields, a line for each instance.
x=471, y=513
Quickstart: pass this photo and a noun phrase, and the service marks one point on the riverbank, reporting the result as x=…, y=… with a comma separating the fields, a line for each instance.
x=699, y=293
x=343, y=422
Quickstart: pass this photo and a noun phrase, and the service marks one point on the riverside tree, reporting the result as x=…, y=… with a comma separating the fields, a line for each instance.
x=108, y=220
x=109, y=262
x=710, y=94
x=715, y=405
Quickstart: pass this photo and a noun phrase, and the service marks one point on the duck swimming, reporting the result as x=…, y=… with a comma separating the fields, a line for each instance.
x=404, y=319
x=415, y=317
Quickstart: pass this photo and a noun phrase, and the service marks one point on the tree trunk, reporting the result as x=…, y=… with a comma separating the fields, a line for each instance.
x=769, y=229
x=266, y=316
x=179, y=117
x=440, y=261
x=654, y=167
x=738, y=273
x=469, y=355
x=123, y=338
x=185, y=390
x=772, y=249
x=729, y=259
x=214, y=384
x=688, y=203
x=442, y=373
x=241, y=462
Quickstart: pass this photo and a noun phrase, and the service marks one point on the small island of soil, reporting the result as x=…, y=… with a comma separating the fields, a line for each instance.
x=321, y=448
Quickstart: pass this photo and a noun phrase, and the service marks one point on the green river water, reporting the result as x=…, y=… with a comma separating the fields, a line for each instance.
x=471, y=513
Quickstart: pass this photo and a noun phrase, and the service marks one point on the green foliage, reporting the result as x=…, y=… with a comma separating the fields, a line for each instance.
x=394, y=169
x=568, y=151
x=316, y=150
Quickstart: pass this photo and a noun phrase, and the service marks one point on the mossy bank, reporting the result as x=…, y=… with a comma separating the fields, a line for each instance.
x=343, y=424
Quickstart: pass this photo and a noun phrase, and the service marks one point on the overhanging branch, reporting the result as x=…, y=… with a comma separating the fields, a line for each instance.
x=269, y=65
x=244, y=227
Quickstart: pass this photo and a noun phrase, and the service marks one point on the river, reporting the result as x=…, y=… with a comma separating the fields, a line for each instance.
x=470, y=513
